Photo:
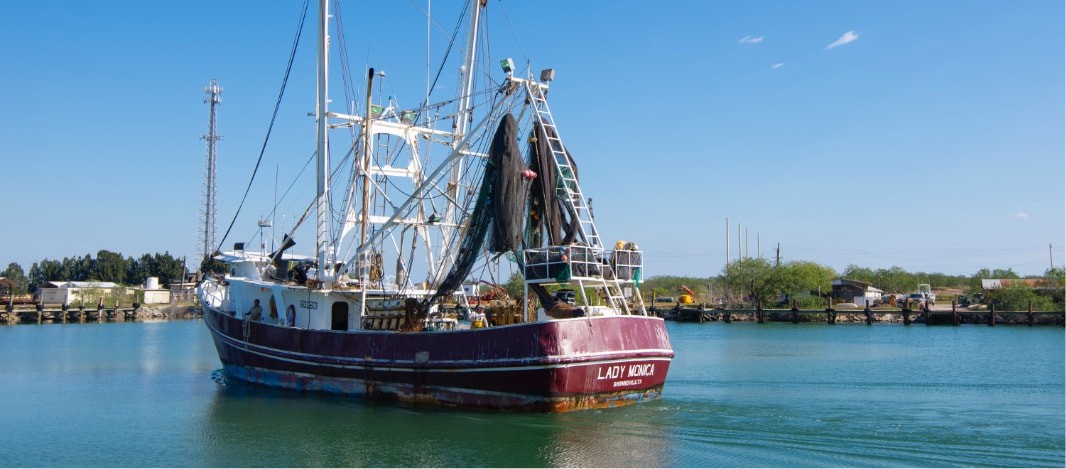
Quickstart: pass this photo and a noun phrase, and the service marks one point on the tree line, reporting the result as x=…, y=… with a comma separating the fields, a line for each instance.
x=107, y=266
x=744, y=281
x=808, y=284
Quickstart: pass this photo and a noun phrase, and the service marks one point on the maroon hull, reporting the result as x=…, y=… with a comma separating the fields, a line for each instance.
x=546, y=366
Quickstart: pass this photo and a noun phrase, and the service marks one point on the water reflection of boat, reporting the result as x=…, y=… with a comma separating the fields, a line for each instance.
x=337, y=432
x=336, y=322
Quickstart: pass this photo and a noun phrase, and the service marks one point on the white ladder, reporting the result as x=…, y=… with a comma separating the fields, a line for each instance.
x=612, y=291
x=568, y=187
x=615, y=296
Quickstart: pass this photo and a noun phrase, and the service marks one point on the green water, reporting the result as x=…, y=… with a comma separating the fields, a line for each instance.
x=741, y=394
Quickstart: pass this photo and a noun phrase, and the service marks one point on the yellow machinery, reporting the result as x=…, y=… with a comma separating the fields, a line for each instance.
x=687, y=295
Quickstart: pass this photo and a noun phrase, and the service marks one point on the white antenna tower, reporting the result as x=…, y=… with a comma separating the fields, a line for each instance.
x=213, y=96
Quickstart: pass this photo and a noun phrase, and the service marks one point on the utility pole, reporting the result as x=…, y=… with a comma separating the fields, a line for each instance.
x=777, y=263
x=213, y=96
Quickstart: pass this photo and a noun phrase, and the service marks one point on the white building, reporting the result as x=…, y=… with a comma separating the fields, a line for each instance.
x=854, y=291
x=62, y=292
x=152, y=294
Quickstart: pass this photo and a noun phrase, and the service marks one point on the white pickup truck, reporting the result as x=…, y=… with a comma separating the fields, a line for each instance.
x=927, y=293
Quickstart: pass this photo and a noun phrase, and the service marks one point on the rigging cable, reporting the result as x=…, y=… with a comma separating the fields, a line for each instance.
x=447, y=52
x=345, y=70
x=273, y=118
x=514, y=31
x=300, y=221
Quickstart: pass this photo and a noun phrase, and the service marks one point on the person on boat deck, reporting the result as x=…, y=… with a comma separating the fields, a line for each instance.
x=477, y=320
x=256, y=313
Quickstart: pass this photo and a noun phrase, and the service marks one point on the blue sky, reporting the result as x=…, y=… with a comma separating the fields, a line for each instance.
x=924, y=135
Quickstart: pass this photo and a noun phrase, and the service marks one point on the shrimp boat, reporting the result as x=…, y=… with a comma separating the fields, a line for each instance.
x=476, y=199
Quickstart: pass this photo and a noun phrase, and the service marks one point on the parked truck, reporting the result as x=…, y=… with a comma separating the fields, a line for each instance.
x=926, y=291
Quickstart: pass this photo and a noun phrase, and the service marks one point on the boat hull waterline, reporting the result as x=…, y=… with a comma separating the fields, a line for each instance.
x=557, y=366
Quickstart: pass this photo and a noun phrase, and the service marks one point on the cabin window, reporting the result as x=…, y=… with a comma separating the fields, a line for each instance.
x=340, y=316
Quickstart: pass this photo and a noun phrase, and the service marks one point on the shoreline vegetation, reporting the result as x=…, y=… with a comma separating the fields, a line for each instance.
x=742, y=283
x=750, y=281
x=842, y=314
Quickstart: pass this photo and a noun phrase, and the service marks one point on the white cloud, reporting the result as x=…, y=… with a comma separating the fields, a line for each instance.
x=750, y=40
x=782, y=64
x=847, y=38
x=1022, y=215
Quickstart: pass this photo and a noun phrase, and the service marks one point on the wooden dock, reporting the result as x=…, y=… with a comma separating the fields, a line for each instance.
x=830, y=315
x=39, y=313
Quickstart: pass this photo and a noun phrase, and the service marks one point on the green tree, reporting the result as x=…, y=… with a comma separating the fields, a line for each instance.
x=895, y=279
x=210, y=265
x=1055, y=278
x=974, y=283
x=1053, y=282
x=15, y=273
x=80, y=268
x=752, y=278
x=47, y=270
x=514, y=285
x=805, y=281
x=1018, y=299
x=137, y=270
x=862, y=274
x=109, y=267
x=669, y=285
x=168, y=268
x=35, y=277
x=1004, y=274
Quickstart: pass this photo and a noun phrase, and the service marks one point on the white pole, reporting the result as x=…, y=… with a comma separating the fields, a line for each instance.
x=322, y=250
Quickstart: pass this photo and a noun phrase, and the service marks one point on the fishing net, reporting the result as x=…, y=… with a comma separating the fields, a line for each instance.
x=509, y=189
x=498, y=210
x=549, y=216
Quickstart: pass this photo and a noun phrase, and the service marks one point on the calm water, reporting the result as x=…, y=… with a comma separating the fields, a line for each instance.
x=741, y=394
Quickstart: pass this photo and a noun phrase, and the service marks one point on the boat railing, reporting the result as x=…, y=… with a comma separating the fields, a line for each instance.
x=628, y=265
x=213, y=294
x=563, y=263
x=554, y=264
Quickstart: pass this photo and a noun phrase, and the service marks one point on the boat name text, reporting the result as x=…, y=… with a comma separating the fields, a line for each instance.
x=307, y=304
x=622, y=371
